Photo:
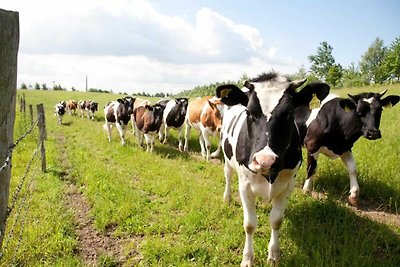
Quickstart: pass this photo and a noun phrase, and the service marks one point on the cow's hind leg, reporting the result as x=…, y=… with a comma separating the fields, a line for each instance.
x=350, y=164
x=121, y=129
x=249, y=222
x=311, y=167
x=108, y=126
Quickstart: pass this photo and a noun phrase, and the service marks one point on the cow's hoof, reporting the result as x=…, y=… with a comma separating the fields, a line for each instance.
x=247, y=262
x=353, y=201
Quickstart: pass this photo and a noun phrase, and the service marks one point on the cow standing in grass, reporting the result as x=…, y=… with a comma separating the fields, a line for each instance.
x=204, y=114
x=261, y=142
x=173, y=117
x=118, y=113
x=59, y=111
x=337, y=125
x=148, y=122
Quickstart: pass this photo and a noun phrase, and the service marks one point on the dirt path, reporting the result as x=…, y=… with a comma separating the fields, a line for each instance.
x=93, y=246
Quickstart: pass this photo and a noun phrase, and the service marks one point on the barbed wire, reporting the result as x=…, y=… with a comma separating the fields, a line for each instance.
x=13, y=145
x=14, y=199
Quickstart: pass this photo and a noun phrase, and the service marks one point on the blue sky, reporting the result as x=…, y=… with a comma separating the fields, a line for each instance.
x=169, y=46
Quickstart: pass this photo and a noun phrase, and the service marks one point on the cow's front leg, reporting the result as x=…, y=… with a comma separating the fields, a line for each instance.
x=108, y=126
x=228, y=172
x=180, y=138
x=121, y=129
x=249, y=221
x=350, y=164
x=311, y=167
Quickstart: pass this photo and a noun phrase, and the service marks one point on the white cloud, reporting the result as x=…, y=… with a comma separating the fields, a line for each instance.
x=130, y=46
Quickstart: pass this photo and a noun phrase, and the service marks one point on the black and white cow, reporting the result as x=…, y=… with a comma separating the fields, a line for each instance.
x=91, y=108
x=261, y=142
x=59, y=111
x=174, y=117
x=118, y=113
x=337, y=125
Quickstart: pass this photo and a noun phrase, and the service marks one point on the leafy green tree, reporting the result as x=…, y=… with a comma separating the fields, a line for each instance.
x=37, y=86
x=23, y=86
x=353, y=77
x=371, y=64
x=322, y=62
x=334, y=76
x=300, y=74
x=392, y=60
x=44, y=87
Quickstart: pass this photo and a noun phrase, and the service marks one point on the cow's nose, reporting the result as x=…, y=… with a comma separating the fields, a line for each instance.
x=263, y=162
x=373, y=134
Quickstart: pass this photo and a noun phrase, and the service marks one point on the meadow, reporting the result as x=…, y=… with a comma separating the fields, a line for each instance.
x=165, y=208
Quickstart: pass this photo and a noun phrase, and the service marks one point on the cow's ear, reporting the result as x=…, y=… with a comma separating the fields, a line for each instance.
x=120, y=100
x=312, y=94
x=231, y=95
x=148, y=107
x=296, y=84
x=347, y=104
x=390, y=101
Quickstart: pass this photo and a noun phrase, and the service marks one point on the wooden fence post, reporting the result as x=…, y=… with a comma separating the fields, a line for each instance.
x=31, y=113
x=42, y=134
x=23, y=103
x=9, y=42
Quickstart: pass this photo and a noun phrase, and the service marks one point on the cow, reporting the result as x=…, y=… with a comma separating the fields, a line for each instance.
x=204, y=114
x=173, y=117
x=82, y=107
x=337, y=125
x=91, y=107
x=118, y=113
x=59, y=111
x=148, y=121
x=71, y=107
x=260, y=140
x=138, y=103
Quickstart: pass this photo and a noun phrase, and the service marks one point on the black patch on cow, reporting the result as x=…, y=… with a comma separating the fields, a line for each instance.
x=177, y=114
x=228, y=149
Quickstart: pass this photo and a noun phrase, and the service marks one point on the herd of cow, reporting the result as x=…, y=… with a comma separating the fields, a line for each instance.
x=262, y=128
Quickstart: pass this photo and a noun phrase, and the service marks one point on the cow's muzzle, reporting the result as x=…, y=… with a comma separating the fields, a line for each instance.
x=372, y=134
x=262, y=162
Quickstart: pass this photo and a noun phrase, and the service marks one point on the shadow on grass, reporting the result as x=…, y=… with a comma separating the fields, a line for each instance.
x=374, y=194
x=326, y=234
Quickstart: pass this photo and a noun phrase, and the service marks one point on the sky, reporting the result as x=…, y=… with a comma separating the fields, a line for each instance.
x=174, y=45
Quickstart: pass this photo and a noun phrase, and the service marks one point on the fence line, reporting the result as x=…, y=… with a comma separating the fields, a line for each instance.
x=23, y=207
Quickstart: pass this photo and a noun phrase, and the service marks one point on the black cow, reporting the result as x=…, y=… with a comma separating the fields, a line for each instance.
x=261, y=142
x=174, y=117
x=337, y=125
x=118, y=113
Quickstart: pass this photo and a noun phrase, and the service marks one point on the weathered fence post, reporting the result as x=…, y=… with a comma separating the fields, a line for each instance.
x=31, y=113
x=23, y=103
x=42, y=134
x=9, y=42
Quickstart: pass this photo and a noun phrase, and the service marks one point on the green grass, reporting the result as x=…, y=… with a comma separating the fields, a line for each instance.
x=169, y=207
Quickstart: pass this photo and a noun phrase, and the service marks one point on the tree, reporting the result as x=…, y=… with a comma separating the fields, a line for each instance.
x=322, y=62
x=371, y=64
x=44, y=87
x=335, y=74
x=300, y=74
x=391, y=63
x=37, y=86
x=353, y=77
x=23, y=86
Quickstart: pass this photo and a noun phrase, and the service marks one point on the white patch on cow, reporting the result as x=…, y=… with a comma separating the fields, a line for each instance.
x=269, y=93
x=314, y=112
x=368, y=100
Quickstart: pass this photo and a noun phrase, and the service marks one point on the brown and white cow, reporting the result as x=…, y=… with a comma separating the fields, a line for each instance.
x=118, y=113
x=139, y=102
x=204, y=115
x=148, y=121
x=72, y=106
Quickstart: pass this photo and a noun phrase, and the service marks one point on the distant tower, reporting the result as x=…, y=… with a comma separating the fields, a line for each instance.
x=86, y=83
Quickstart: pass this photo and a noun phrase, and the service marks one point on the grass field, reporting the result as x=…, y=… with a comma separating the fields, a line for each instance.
x=166, y=208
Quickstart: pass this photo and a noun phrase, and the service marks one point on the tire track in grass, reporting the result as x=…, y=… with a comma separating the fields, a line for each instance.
x=94, y=248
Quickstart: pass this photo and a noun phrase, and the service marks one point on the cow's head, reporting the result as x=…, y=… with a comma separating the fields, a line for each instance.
x=128, y=104
x=212, y=117
x=60, y=109
x=368, y=109
x=182, y=103
x=269, y=126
